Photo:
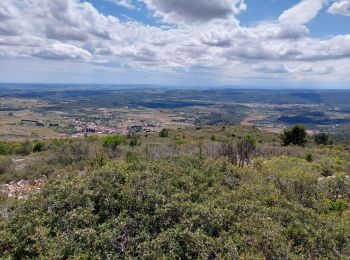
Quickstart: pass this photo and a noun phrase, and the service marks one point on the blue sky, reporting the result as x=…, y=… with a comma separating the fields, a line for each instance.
x=176, y=42
x=324, y=25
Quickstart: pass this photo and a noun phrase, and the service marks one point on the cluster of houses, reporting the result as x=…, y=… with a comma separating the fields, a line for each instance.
x=83, y=128
x=38, y=123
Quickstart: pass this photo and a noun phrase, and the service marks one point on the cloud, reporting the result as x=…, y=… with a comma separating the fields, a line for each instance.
x=181, y=11
x=301, y=13
x=205, y=40
x=61, y=51
x=6, y=11
x=271, y=68
x=340, y=7
x=124, y=3
x=312, y=69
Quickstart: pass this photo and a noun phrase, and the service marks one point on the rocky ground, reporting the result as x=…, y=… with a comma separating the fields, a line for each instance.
x=22, y=188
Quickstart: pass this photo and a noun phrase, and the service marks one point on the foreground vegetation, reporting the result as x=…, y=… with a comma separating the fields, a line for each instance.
x=178, y=195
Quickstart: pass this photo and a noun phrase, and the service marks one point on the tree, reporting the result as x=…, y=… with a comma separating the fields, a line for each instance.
x=164, y=133
x=321, y=138
x=113, y=141
x=296, y=135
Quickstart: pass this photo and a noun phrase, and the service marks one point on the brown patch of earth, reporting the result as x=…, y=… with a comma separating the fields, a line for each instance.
x=249, y=120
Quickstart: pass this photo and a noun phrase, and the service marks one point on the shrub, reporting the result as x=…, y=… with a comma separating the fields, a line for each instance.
x=38, y=147
x=309, y=157
x=242, y=153
x=5, y=164
x=164, y=133
x=71, y=152
x=113, y=141
x=321, y=138
x=24, y=148
x=158, y=210
x=134, y=142
x=245, y=148
x=296, y=135
x=3, y=148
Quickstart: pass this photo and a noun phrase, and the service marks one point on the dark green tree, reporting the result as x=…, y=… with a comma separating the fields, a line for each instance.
x=296, y=135
x=321, y=138
x=164, y=133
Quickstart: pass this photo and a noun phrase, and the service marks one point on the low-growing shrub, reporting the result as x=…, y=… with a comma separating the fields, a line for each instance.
x=6, y=164
x=164, y=133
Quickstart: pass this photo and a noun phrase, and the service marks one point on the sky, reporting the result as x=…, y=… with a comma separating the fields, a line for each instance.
x=260, y=43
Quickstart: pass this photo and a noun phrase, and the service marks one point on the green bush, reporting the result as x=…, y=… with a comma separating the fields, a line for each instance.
x=155, y=203
x=113, y=141
x=296, y=135
x=309, y=157
x=24, y=148
x=71, y=152
x=321, y=138
x=3, y=148
x=164, y=133
x=38, y=147
x=181, y=209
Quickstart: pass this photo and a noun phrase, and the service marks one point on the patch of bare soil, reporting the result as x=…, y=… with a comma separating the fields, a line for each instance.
x=249, y=120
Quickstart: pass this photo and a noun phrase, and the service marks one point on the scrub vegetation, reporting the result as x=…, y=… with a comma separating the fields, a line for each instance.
x=193, y=193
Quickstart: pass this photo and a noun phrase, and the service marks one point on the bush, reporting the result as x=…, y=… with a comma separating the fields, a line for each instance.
x=3, y=148
x=309, y=157
x=134, y=142
x=164, y=133
x=245, y=148
x=113, y=141
x=296, y=135
x=242, y=153
x=24, y=148
x=158, y=210
x=5, y=164
x=71, y=152
x=38, y=147
x=321, y=138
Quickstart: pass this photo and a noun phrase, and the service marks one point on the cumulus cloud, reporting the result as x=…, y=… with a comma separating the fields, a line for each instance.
x=340, y=7
x=181, y=11
x=302, y=13
x=212, y=39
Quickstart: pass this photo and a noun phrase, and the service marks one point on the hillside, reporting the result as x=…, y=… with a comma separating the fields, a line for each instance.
x=182, y=193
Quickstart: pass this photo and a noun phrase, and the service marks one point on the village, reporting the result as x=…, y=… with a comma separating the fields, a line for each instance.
x=130, y=126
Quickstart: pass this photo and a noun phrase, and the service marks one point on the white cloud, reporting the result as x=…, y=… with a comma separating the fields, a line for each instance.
x=340, y=7
x=62, y=51
x=211, y=42
x=302, y=13
x=124, y=3
x=180, y=11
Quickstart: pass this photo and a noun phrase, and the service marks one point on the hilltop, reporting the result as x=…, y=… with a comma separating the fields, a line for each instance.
x=176, y=194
